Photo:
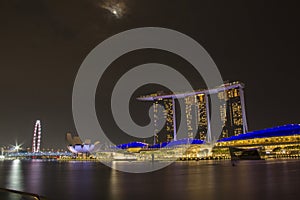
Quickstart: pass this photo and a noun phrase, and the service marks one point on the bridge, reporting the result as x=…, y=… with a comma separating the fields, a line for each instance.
x=39, y=154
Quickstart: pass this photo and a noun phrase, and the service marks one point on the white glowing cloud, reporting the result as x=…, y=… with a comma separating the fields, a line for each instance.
x=116, y=7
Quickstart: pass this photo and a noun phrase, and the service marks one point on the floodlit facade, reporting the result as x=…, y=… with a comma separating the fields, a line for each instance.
x=281, y=140
x=197, y=111
x=167, y=116
x=76, y=146
x=231, y=112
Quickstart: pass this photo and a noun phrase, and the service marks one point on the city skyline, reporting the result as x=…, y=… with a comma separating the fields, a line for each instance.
x=43, y=45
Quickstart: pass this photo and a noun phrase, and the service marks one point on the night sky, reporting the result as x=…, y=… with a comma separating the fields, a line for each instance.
x=43, y=43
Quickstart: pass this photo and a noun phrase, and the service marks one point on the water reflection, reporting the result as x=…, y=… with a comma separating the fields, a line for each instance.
x=15, y=177
x=35, y=170
x=81, y=180
x=114, y=183
x=77, y=178
x=181, y=180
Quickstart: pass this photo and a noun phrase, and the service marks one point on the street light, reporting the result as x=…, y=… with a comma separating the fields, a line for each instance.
x=17, y=147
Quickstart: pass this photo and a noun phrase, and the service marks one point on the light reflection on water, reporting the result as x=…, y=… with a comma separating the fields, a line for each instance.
x=272, y=179
x=114, y=183
x=15, y=177
x=35, y=173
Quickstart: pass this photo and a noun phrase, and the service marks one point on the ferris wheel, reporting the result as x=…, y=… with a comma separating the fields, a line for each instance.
x=37, y=134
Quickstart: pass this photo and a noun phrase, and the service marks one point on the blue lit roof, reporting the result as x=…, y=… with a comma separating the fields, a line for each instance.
x=132, y=145
x=176, y=143
x=161, y=145
x=286, y=130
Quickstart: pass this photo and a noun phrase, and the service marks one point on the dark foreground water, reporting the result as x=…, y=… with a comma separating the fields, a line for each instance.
x=271, y=179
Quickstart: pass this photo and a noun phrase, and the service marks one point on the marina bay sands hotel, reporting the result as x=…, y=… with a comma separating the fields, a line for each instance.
x=232, y=113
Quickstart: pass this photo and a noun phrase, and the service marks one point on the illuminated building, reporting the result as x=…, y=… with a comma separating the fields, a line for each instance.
x=202, y=116
x=281, y=141
x=232, y=112
x=76, y=146
x=197, y=110
x=182, y=145
x=197, y=116
x=277, y=140
x=191, y=115
x=167, y=133
x=133, y=147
